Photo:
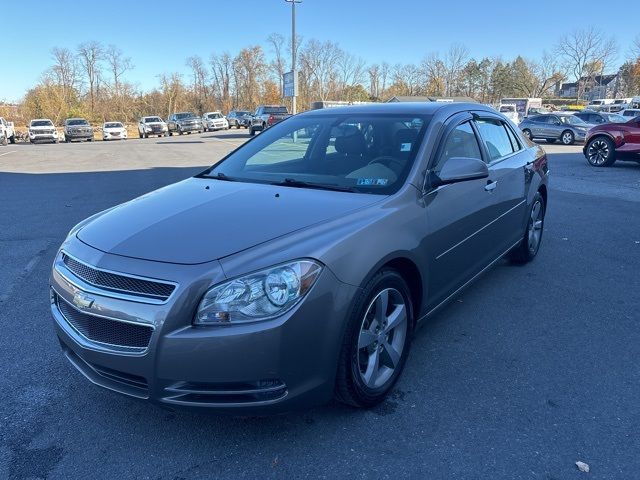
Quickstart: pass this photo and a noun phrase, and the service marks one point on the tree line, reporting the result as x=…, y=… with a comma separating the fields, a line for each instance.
x=91, y=81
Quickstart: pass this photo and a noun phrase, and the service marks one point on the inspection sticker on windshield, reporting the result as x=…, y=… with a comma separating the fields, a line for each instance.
x=405, y=147
x=373, y=181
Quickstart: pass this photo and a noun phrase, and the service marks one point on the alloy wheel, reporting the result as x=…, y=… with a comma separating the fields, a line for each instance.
x=535, y=227
x=382, y=338
x=598, y=152
x=567, y=138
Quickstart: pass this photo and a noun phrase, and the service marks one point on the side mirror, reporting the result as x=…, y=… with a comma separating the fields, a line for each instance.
x=460, y=169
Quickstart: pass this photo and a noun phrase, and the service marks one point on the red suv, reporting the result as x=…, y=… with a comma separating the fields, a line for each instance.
x=609, y=142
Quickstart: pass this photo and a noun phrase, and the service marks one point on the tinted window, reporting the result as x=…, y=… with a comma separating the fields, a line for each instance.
x=152, y=119
x=184, y=115
x=77, y=121
x=42, y=123
x=541, y=118
x=275, y=110
x=461, y=142
x=113, y=125
x=495, y=138
x=514, y=141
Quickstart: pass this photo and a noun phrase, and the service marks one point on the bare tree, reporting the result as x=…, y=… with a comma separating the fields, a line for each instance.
x=585, y=53
x=454, y=61
x=351, y=70
x=278, y=64
x=320, y=59
x=90, y=54
x=200, y=77
x=222, y=74
x=65, y=68
x=374, y=80
x=118, y=65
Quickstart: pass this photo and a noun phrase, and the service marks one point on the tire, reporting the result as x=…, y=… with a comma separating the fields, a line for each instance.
x=145, y=135
x=600, y=152
x=527, y=133
x=567, y=137
x=4, y=141
x=170, y=133
x=56, y=141
x=528, y=247
x=251, y=132
x=179, y=130
x=140, y=134
x=365, y=389
x=551, y=140
x=12, y=138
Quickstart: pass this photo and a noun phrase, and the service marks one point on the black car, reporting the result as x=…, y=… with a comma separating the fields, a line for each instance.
x=238, y=118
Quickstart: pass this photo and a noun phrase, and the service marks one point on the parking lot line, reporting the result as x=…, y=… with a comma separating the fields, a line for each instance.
x=7, y=153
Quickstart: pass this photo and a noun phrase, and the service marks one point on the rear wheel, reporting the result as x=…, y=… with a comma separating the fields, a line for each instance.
x=376, y=342
x=528, y=247
x=600, y=152
x=12, y=138
x=567, y=137
x=251, y=131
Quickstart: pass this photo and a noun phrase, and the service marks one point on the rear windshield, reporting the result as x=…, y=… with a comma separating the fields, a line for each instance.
x=41, y=123
x=113, y=125
x=152, y=119
x=77, y=121
x=275, y=110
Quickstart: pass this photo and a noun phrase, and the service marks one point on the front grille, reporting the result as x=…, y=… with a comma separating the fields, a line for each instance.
x=104, y=330
x=118, y=283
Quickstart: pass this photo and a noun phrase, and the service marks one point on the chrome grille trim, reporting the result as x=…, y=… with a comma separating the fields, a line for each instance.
x=127, y=284
x=104, y=332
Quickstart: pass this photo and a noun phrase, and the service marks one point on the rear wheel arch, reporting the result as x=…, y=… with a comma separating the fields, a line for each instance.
x=543, y=191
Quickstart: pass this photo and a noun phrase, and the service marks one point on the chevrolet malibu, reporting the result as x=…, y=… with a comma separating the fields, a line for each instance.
x=298, y=268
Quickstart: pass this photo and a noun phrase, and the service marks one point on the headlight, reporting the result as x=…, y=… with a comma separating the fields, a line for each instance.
x=259, y=295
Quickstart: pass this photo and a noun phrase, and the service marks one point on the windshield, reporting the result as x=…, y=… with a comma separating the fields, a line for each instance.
x=571, y=120
x=215, y=115
x=152, y=119
x=77, y=121
x=241, y=114
x=41, y=123
x=360, y=153
x=181, y=116
x=113, y=125
x=275, y=110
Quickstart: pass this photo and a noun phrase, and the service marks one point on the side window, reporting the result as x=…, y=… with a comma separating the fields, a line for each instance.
x=495, y=138
x=514, y=140
x=541, y=118
x=461, y=142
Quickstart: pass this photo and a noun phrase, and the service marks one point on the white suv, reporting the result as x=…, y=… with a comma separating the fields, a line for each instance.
x=214, y=121
x=42, y=130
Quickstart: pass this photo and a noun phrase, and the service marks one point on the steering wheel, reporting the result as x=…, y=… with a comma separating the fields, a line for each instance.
x=388, y=161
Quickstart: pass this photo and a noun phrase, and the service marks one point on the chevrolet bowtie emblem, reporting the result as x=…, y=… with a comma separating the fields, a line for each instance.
x=82, y=300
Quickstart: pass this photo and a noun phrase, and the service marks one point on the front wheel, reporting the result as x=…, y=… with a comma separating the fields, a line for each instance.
x=12, y=138
x=528, y=247
x=376, y=342
x=600, y=152
x=3, y=142
x=567, y=137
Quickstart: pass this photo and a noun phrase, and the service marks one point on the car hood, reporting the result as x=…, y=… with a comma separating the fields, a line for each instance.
x=41, y=128
x=201, y=220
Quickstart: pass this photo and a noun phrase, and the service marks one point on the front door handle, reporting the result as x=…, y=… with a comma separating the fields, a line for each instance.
x=490, y=186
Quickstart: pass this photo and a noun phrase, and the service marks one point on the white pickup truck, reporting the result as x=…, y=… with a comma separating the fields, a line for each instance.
x=7, y=132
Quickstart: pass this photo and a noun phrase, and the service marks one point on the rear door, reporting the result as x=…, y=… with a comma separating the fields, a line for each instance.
x=537, y=125
x=507, y=161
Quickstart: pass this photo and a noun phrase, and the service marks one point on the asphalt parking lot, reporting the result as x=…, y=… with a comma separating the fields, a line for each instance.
x=528, y=371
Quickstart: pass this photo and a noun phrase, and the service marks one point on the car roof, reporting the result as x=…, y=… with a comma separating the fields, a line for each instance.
x=406, y=108
x=41, y=120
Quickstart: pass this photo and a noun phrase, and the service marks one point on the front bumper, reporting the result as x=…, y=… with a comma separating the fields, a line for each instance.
x=43, y=137
x=194, y=127
x=269, y=366
x=78, y=136
x=113, y=136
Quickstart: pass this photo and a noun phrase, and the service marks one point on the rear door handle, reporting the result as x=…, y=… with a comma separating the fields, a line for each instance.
x=490, y=186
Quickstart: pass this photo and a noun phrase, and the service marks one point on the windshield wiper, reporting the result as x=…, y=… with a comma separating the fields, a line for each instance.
x=292, y=182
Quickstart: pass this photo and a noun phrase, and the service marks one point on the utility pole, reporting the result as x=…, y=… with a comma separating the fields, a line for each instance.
x=293, y=53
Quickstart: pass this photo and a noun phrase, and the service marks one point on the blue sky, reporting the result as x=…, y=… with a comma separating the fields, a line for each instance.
x=160, y=39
